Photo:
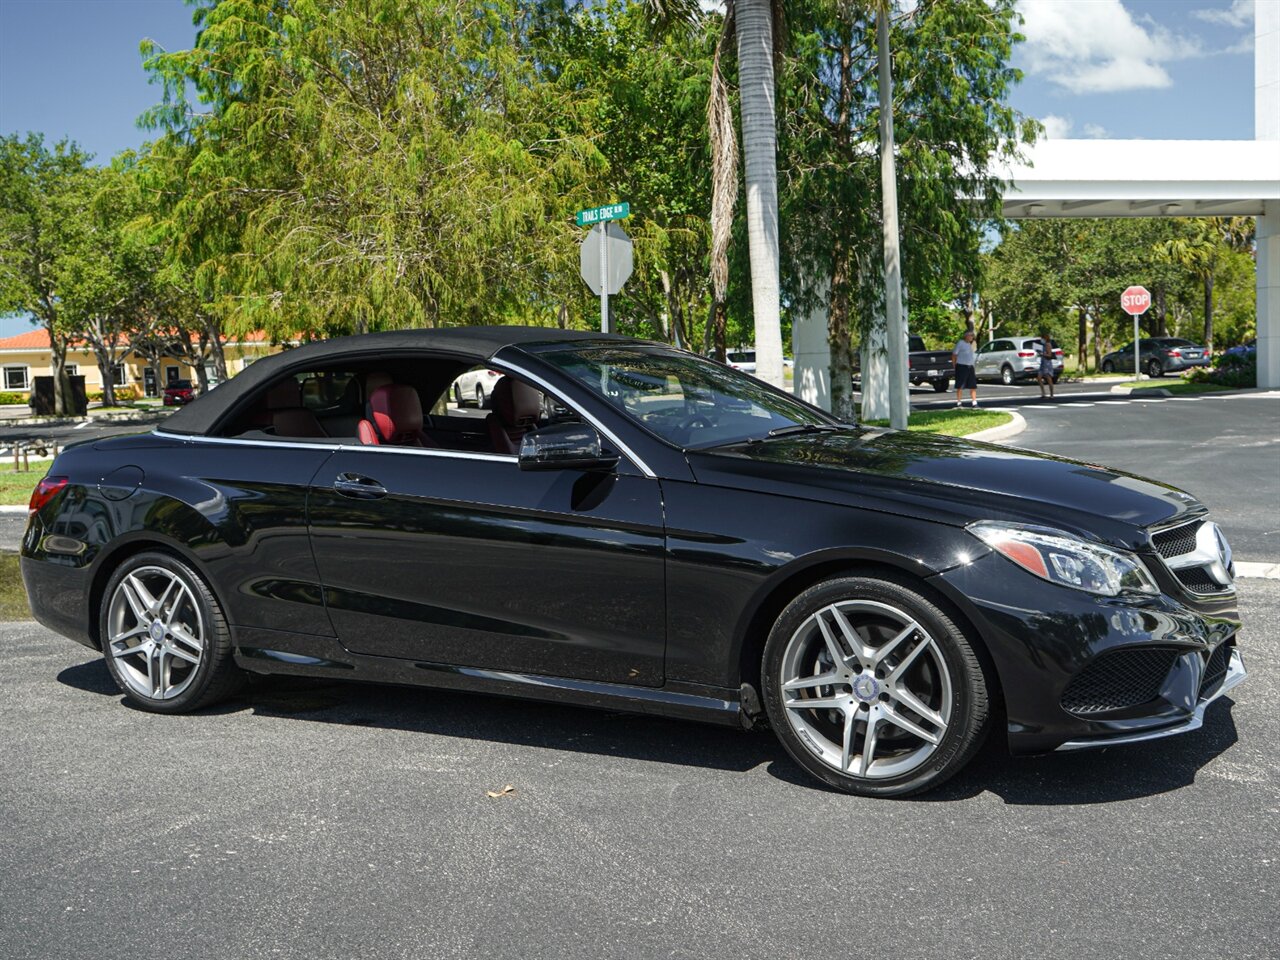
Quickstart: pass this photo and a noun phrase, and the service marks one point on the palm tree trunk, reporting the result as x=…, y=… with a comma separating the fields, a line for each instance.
x=1208, y=312
x=895, y=321
x=754, y=24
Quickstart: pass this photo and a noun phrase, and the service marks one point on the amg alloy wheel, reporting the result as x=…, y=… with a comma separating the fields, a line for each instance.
x=873, y=688
x=164, y=638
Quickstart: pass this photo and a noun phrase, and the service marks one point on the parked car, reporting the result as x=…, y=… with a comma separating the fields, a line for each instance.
x=687, y=541
x=1158, y=356
x=744, y=360
x=928, y=366
x=178, y=393
x=475, y=386
x=1242, y=350
x=1012, y=359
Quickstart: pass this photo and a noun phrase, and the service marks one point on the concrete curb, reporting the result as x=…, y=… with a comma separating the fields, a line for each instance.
x=67, y=421
x=13, y=508
x=1002, y=432
x=1146, y=391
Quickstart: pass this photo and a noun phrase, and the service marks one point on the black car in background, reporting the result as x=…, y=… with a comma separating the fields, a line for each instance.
x=1158, y=356
x=679, y=538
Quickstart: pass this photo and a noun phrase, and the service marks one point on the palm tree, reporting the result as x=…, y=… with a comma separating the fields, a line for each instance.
x=1196, y=253
x=895, y=320
x=751, y=23
x=753, y=20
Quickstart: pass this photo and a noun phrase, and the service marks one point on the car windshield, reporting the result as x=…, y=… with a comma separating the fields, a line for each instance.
x=686, y=400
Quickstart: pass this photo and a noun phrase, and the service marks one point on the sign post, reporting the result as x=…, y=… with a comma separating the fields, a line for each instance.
x=605, y=256
x=1136, y=301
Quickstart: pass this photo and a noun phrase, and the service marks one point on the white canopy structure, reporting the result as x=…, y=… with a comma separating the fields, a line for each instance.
x=1142, y=178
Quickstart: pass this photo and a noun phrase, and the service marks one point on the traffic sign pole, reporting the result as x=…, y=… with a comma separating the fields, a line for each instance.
x=604, y=281
x=1136, y=301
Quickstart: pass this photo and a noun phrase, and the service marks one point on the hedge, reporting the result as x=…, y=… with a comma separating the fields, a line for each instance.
x=13, y=398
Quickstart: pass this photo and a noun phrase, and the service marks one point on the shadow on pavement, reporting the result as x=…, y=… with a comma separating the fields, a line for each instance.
x=1107, y=776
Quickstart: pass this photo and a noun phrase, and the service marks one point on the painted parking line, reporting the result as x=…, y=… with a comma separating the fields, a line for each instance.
x=1257, y=571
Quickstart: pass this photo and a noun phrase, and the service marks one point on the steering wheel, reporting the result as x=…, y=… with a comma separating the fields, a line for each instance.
x=696, y=422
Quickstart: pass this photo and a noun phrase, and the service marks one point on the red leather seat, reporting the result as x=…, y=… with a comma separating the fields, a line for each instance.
x=395, y=418
x=516, y=406
x=287, y=415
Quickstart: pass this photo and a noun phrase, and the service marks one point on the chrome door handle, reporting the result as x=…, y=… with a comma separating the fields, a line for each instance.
x=359, y=488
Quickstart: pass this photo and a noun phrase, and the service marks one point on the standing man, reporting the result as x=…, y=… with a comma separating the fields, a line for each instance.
x=1044, y=373
x=966, y=377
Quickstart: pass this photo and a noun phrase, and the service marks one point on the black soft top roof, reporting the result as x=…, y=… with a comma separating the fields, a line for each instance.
x=475, y=344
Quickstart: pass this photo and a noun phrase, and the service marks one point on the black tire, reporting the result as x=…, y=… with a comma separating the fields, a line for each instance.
x=1154, y=369
x=970, y=708
x=457, y=395
x=1006, y=375
x=480, y=399
x=940, y=386
x=1057, y=377
x=216, y=677
x=1108, y=367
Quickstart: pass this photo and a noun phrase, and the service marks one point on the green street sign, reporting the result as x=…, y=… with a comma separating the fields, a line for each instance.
x=610, y=211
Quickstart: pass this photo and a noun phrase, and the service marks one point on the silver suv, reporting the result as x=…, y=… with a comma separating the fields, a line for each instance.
x=1014, y=359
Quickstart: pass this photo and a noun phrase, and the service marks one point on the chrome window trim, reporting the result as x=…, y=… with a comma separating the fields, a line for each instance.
x=594, y=421
x=363, y=448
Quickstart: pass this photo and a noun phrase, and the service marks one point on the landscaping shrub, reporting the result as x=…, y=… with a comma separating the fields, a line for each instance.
x=12, y=398
x=1229, y=370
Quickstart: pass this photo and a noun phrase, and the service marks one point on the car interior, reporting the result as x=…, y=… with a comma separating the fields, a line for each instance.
x=399, y=402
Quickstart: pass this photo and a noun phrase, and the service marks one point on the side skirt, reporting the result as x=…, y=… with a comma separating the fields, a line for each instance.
x=280, y=652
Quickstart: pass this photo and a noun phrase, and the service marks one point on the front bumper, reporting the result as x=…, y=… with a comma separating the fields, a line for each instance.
x=1048, y=644
x=1236, y=675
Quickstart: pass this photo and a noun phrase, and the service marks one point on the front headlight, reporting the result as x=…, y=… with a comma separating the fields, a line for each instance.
x=1060, y=558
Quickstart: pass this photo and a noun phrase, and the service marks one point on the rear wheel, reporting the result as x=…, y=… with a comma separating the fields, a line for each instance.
x=1154, y=369
x=164, y=636
x=940, y=386
x=479, y=396
x=872, y=688
x=1006, y=375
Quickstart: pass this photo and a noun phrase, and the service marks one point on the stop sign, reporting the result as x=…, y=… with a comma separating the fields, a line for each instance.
x=1135, y=301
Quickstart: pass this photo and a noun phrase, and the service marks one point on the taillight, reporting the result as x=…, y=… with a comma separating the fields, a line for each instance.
x=1175, y=353
x=493, y=373
x=1026, y=353
x=1057, y=353
x=45, y=491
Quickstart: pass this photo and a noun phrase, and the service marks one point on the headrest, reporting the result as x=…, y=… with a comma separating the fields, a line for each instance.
x=285, y=395
x=515, y=401
x=372, y=381
x=395, y=410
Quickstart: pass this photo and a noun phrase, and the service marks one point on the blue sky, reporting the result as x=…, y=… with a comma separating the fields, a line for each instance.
x=1155, y=69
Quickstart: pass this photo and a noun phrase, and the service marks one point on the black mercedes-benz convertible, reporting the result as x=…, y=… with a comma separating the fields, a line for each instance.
x=638, y=528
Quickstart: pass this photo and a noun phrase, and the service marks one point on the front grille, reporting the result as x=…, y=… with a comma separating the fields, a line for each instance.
x=1176, y=542
x=1197, y=580
x=1216, y=668
x=1122, y=678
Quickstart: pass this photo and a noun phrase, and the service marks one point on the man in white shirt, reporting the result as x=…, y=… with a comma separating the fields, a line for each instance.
x=964, y=356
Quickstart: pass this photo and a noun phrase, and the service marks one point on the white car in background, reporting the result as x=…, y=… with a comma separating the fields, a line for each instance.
x=745, y=360
x=475, y=386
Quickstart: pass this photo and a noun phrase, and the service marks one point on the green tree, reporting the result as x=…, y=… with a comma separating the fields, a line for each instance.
x=952, y=122
x=44, y=194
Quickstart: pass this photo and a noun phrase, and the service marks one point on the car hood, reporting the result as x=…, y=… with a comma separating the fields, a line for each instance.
x=949, y=480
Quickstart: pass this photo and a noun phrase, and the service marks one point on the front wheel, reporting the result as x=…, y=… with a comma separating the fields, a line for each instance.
x=457, y=395
x=872, y=688
x=1108, y=367
x=164, y=637
x=1006, y=375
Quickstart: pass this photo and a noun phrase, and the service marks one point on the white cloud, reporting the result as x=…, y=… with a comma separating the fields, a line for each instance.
x=1096, y=46
x=1096, y=130
x=1056, y=127
x=1239, y=14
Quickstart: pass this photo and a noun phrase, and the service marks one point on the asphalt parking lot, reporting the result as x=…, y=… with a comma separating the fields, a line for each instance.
x=350, y=821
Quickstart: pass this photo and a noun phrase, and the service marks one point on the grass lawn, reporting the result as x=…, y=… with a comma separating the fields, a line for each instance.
x=951, y=423
x=15, y=488
x=1175, y=387
x=13, y=596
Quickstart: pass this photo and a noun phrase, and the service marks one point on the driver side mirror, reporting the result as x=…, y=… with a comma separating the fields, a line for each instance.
x=564, y=446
